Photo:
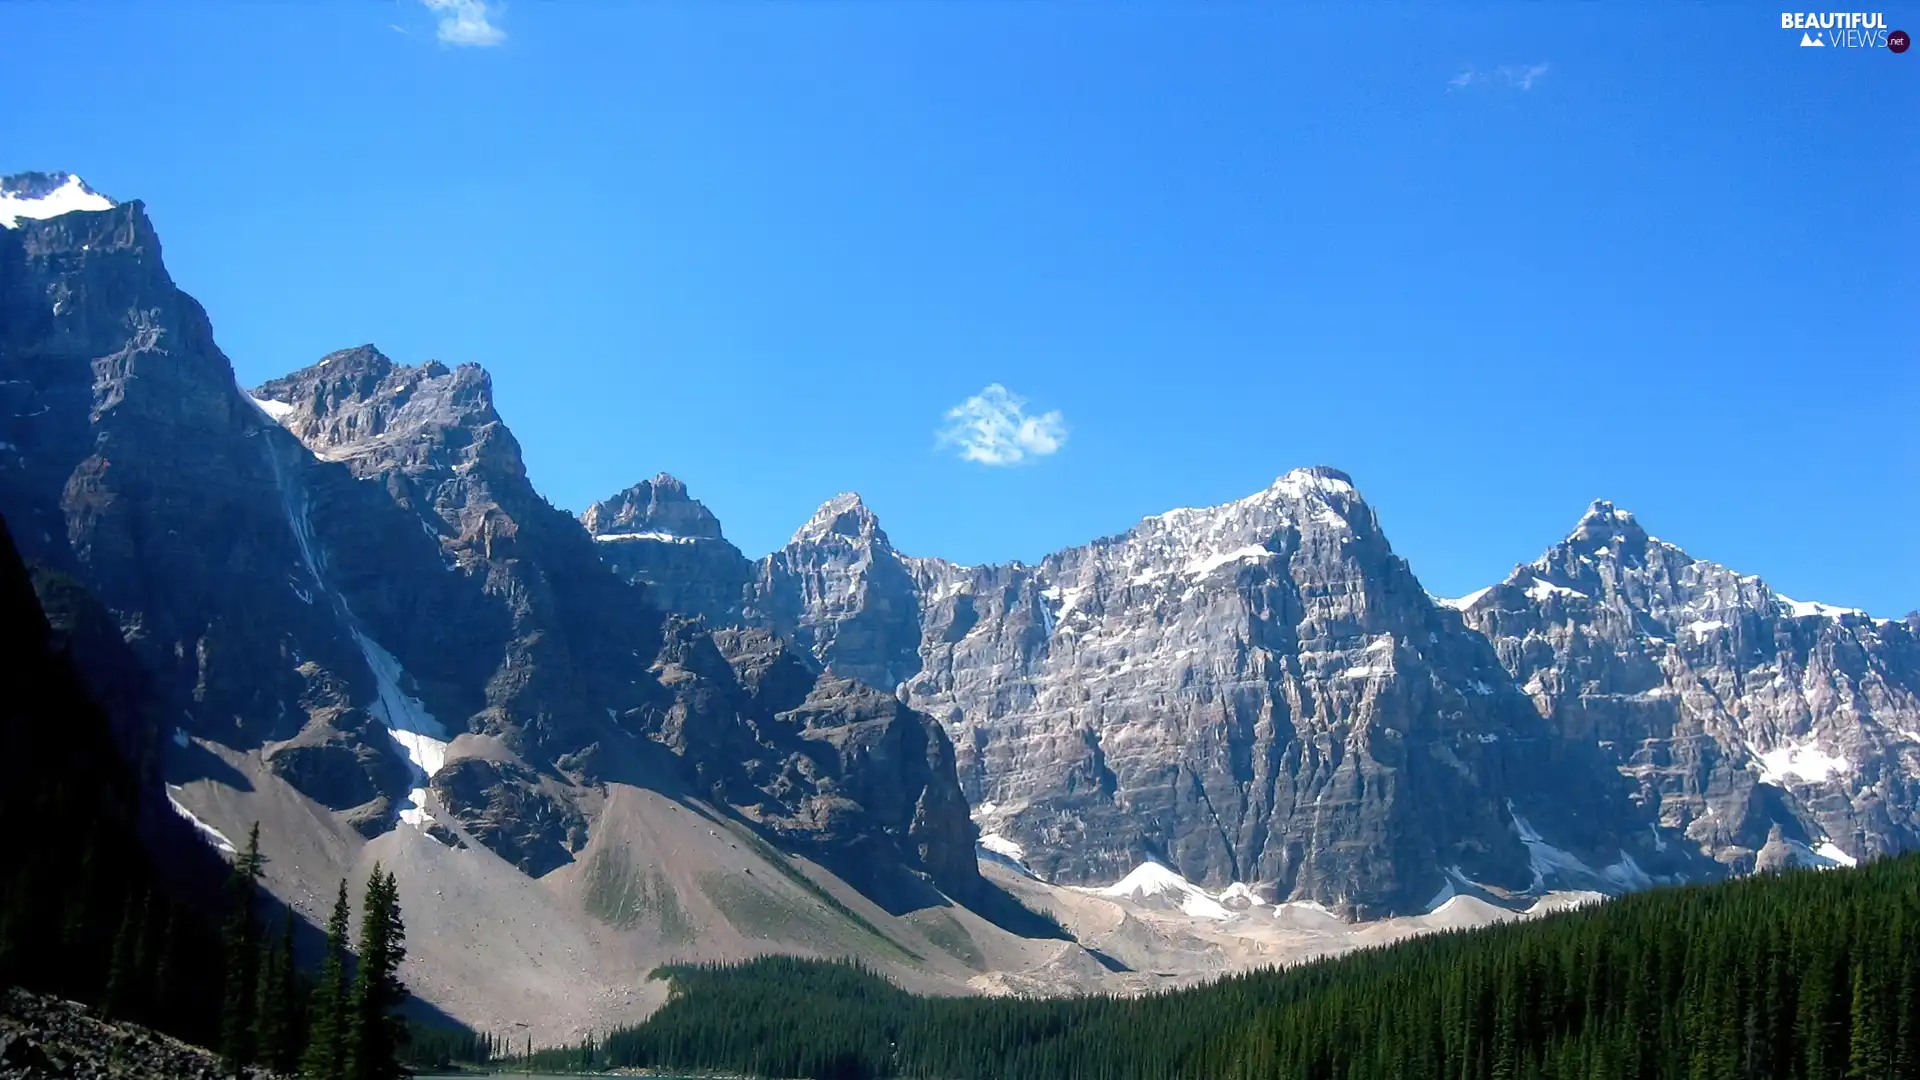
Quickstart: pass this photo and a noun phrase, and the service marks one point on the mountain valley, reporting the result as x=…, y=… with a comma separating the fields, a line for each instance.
x=588, y=746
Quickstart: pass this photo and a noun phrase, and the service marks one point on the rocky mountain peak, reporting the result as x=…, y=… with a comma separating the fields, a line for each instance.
x=660, y=507
x=359, y=404
x=1603, y=524
x=843, y=515
x=39, y=195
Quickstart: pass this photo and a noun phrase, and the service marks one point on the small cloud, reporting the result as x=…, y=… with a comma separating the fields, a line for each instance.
x=993, y=428
x=464, y=22
x=1517, y=76
x=1524, y=75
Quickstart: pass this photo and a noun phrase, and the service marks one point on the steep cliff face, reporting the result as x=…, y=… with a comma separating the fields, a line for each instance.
x=1258, y=692
x=655, y=536
x=839, y=591
x=129, y=458
x=347, y=574
x=1737, y=712
x=561, y=658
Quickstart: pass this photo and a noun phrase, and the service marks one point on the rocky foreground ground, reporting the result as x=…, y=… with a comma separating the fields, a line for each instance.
x=42, y=1038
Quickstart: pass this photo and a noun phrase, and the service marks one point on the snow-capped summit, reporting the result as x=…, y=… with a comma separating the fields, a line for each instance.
x=34, y=196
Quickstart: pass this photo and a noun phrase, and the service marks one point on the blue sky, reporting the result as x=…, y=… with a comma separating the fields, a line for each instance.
x=1494, y=261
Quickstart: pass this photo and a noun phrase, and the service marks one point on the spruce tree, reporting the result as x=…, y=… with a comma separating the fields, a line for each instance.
x=274, y=1014
x=377, y=1032
x=326, y=1054
x=122, y=972
x=241, y=946
x=166, y=967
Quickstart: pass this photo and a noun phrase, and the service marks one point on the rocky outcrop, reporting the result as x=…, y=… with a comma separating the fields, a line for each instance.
x=563, y=660
x=1748, y=720
x=655, y=536
x=1259, y=692
x=346, y=570
x=839, y=591
x=45, y=1038
x=129, y=458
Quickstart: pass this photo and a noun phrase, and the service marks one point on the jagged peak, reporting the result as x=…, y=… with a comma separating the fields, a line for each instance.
x=658, y=507
x=1604, y=517
x=34, y=196
x=1327, y=494
x=843, y=515
x=1607, y=529
x=1313, y=482
x=356, y=359
x=366, y=362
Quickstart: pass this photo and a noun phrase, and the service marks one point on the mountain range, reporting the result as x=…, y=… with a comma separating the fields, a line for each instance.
x=591, y=744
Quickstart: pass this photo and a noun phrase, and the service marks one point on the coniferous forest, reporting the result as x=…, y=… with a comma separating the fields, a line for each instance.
x=1803, y=975
x=88, y=913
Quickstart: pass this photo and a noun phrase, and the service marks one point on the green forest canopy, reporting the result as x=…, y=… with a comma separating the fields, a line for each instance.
x=1797, y=975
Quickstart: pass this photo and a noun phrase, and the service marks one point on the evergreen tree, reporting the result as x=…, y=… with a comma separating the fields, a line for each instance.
x=275, y=1016
x=165, y=965
x=326, y=1054
x=376, y=1033
x=123, y=973
x=241, y=946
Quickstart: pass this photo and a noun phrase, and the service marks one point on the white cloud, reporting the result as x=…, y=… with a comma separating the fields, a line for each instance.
x=993, y=428
x=1524, y=75
x=464, y=22
x=1517, y=76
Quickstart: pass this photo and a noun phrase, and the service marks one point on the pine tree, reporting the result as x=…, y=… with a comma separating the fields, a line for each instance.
x=325, y=1058
x=165, y=970
x=376, y=1033
x=242, y=958
x=274, y=1017
x=123, y=974
x=77, y=921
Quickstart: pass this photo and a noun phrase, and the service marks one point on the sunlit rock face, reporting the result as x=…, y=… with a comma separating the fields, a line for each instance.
x=1737, y=713
x=1257, y=692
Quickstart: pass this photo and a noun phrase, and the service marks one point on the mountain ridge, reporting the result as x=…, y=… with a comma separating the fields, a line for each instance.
x=827, y=579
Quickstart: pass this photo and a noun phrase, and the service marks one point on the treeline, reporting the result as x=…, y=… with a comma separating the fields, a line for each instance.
x=1803, y=975
x=87, y=913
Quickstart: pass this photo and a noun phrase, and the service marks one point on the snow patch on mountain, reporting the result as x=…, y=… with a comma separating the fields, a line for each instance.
x=994, y=848
x=1830, y=851
x=657, y=537
x=1000, y=845
x=1805, y=760
x=214, y=836
x=1462, y=603
x=275, y=411
x=1801, y=609
x=1150, y=882
x=31, y=198
x=1552, y=863
x=1209, y=563
x=421, y=737
x=1541, y=589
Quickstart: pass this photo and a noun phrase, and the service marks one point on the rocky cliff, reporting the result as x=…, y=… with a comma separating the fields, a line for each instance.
x=1262, y=692
x=657, y=537
x=347, y=574
x=1259, y=692
x=1738, y=714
